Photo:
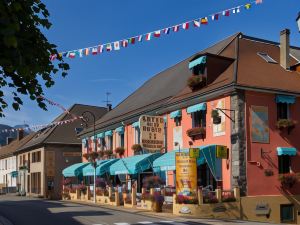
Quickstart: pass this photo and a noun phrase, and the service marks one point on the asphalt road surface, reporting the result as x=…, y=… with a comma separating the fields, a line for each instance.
x=30, y=211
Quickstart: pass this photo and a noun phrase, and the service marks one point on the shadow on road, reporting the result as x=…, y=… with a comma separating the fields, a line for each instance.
x=39, y=212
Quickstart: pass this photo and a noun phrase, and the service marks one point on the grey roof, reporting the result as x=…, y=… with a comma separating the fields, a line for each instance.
x=63, y=134
x=155, y=92
x=295, y=52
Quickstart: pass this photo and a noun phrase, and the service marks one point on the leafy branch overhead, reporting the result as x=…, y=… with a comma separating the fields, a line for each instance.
x=25, y=66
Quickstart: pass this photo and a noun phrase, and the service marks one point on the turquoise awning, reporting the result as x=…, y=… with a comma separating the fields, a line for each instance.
x=108, y=133
x=175, y=114
x=14, y=173
x=200, y=60
x=101, y=135
x=214, y=163
x=74, y=170
x=285, y=99
x=133, y=165
x=196, y=108
x=286, y=151
x=167, y=161
x=136, y=124
x=101, y=168
x=165, y=119
x=120, y=130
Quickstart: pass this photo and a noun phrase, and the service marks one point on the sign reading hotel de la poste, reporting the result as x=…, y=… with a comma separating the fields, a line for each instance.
x=152, y=132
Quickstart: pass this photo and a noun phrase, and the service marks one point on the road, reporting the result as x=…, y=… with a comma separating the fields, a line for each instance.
x=30, y=211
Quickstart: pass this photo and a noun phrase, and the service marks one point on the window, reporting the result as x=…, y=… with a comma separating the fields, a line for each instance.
x=36, y=157
x=177, y=121
x=284, y=164
x=121, y=140
x=287, y=213
x=137, y=133
x=102, y=143
x=282, y=111
x=266, y=57
x=199, y=119
x=109, y=142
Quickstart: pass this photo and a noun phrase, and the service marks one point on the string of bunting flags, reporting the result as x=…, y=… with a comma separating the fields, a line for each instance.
x=124, y=43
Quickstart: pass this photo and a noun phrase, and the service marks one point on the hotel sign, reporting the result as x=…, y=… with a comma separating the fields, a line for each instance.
x=152, y=132
x=221, y=152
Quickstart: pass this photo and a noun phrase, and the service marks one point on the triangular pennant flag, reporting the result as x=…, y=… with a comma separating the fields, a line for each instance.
x=125, y=43
x=157, y=33
x=140, y=38
x=148, y=36
x=196, y=23
x=132, y=40
x=100, y=49
x=185, y=25
x=248, y=6
x=108, y=47
x=204, y=20
x=94, y=51
x=117, y=45
x=167, y=30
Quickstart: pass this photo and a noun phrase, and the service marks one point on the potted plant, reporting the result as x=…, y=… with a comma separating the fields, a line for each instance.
x=157, y=202
x=287, y=124
x=196, y=132
x=82, y=188
x=108, y=152
x=288, y=180
x=216, y=117
x=268, y=172
x=101, y=154
x=120, y=151
x=136, y=148
x=195, y=82
x=93, y=156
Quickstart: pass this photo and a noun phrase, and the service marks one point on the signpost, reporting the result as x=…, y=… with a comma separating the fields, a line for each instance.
x=152, y=132
x=221, y=152
x=194, y=152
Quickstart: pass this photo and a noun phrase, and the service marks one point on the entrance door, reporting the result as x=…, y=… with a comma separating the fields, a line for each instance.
x=205, y=177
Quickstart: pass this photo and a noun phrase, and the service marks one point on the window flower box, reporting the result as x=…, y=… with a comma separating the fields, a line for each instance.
x=120, y=151
x=288, y=180
x=197, y=131
x=216, y=116
x=136, y=148
x=268, y=172
x=196, y=82
x=108, y=152
x=286, y=124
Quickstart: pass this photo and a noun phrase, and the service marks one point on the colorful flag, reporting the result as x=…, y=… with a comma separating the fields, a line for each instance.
x=86, y=51
x=148, y=36
x=94, y=51
x=185, y=26
x=196, y=23
x=108, y=47
x=132, y=40
x=80, y=52
x=157, y=33
x=258, y=1
x=53, y=57
x=166, y=30
x=204, y=20
x=117, y=45
x=227, y=13
x=215, y=17
x=140, y=38
x=248, y=6
x=125, y=43
x=100, y=49
x=72, y=55
x=176, y=28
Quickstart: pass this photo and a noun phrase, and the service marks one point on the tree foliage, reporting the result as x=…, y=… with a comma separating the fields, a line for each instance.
x=25, y=65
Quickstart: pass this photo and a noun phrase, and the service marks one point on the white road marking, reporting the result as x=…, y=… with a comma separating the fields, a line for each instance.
x=166, y=221
x=145, y=222
x=122, y=223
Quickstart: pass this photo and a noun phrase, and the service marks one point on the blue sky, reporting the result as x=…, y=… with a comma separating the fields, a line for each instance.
x=78, y=24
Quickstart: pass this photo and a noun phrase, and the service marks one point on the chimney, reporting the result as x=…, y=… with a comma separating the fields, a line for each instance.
x=285, y=49
x=9, y=140
x=109, y=107
x=20, y=134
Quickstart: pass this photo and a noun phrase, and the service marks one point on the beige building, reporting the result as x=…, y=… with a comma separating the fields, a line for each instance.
x=42, y=159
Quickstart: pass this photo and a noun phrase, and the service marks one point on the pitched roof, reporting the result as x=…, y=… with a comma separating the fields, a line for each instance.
x=156, y=91
x=247, y=70
x=63, y=134
x=9, y=150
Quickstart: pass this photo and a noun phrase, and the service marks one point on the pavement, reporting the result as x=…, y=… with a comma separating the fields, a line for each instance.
x=26, y=211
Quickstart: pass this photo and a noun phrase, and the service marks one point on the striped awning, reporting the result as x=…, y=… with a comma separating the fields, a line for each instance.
x=196, y=108
x=74, y=170
x=101, y=135
x=101, y=168
x=120, y=130
x=175, y=114
x=108, y=133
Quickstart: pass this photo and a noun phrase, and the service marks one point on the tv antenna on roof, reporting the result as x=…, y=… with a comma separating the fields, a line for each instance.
x=107, y=101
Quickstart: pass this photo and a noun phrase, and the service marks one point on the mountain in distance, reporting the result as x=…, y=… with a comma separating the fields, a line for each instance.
x=9, y=133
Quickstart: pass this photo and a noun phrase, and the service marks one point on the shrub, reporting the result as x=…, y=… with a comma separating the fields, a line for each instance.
x=100, y=182
x=120, y=151
x=136, y=148
x=228, y=199
x=81, y=188
x=67, y=181
x=285, y=124
x=108, y=152
x=101, y=154
x=195, y=82
x=210, y=199
x=185, y=199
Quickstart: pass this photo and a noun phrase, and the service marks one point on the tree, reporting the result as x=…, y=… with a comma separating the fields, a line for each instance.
x=25, y=65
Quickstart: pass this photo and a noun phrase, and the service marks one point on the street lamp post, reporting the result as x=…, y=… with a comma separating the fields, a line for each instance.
x=92, y=160
x=298, y=21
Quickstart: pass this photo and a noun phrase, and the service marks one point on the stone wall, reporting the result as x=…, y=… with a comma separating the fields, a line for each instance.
x=238, y=141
